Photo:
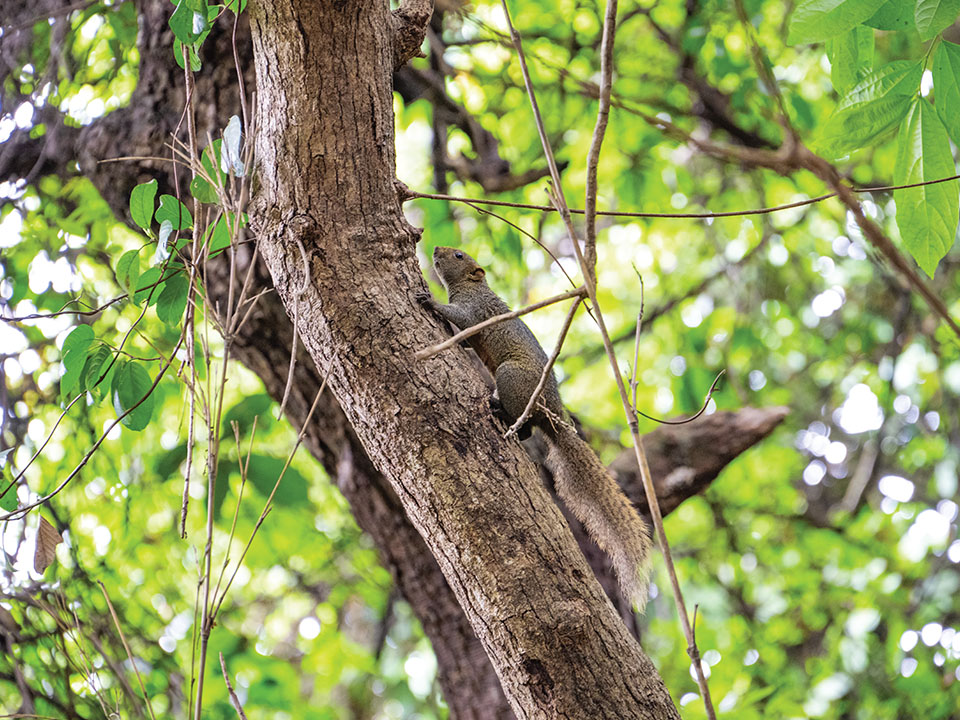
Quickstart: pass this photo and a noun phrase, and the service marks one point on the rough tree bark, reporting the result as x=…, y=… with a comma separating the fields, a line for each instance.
x=467, y=679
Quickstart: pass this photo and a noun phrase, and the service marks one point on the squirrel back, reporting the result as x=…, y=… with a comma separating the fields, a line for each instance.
x=515, y=358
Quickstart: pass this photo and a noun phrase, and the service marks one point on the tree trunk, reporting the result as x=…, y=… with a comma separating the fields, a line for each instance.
x=325, y=159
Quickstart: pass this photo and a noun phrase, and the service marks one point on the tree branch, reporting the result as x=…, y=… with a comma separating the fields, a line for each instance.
x=410, y=26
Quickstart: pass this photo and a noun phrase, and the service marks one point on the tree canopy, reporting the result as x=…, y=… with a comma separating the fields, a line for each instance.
x=823, y=562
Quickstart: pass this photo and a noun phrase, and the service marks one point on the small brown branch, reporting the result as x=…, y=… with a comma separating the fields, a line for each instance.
x=560, y=200
x=429, y=352
x=13, y=483
x=862, y=474
x=234, y=700
x=636, y=344
x=599, y=131
x=763, y=161
x=298, y=294
x=46, y=16
x=268, y=505
x=684, y=421
x=410, y=26
x=547, y=369
x=123, y=639
x=78, y=313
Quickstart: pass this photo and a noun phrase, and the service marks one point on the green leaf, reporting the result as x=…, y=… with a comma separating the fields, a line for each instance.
x=173, y=300
x=850, y=55
x=96, y=363
x=76, y=347
x=73, y=366
x=141, y=203
x=221, y=235
x=232, y=6
x=199, y=361
x=78, y=339
x=814, y=20
x=175, y=211
x=932, y=16
x=872, y=109
x=222, y=483
x=147, y=286
x=211, y=162
x=8, y=490
x=183, y=23
x=202, y=190
x=893, y=15
x=130, y=384
x=170, y=461
x=926, y=215
x=128, y=269
x=244, y=412
x=946, y=84
x=192, y=53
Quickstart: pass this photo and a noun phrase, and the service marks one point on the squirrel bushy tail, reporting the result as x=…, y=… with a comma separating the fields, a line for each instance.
x=588, y=489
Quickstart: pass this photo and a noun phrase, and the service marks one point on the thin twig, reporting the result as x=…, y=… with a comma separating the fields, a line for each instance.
x=244, y=467
x=78, y=313
x=763, y=70
x=636, y=343
x=234, y=700
x=474, y=329
x=547, y=370
x=875, y=236
x=599, y=131
x=298, y=294
x=684, y=421
x=414, y=194
x=46, y=16
x=123, y=639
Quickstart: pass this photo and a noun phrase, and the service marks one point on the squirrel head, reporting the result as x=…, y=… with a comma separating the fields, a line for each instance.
x=455, y=266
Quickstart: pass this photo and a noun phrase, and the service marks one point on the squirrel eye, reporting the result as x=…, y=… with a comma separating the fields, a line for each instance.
x=459, y=255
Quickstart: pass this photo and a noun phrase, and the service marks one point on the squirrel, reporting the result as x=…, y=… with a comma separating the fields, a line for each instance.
x=515, y=358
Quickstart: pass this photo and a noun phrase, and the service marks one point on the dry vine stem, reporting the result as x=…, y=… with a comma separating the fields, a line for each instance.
x=589, y=282
x=414, y=194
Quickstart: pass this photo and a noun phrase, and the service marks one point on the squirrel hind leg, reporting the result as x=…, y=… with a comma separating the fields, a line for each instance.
x=499, y=412
x=515, y=384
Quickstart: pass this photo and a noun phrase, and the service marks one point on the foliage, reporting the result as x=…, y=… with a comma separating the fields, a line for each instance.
x=824, y=563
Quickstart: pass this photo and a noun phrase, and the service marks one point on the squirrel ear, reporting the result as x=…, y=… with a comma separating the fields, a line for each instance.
x=478, y=274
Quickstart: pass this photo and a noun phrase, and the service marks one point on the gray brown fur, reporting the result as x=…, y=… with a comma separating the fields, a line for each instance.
x=512, y=353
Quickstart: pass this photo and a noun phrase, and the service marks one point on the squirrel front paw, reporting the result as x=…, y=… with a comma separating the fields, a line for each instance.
x=427, y=301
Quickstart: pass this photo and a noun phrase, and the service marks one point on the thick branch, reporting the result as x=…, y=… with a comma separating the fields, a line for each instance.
x=410, y=26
